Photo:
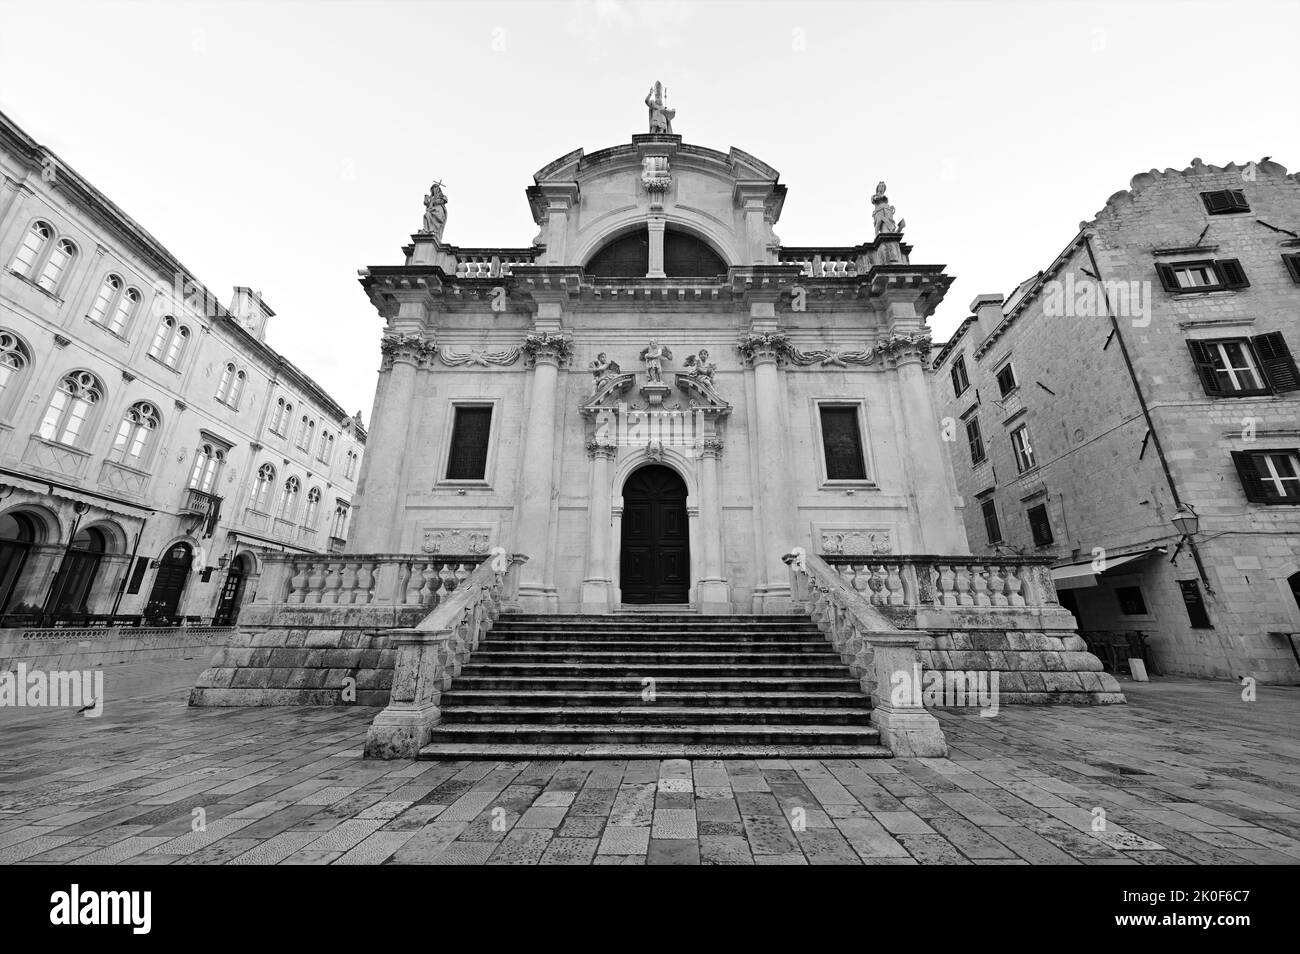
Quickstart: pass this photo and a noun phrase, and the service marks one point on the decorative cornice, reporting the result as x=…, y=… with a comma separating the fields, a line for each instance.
x=547, y=347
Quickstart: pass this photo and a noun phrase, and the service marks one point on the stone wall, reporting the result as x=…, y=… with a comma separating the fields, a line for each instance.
x=82, y=649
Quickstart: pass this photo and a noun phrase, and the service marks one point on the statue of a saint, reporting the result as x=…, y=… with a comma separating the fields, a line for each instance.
x=883, y=214
x=435, y=212
x=661, y=117
x=699, y=366
x=602, y=369
x=654, y=357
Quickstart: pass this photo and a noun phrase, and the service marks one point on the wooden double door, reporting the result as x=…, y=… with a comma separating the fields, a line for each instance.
x=655, y=556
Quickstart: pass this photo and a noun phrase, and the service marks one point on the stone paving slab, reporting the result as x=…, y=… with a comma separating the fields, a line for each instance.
x=1187, y=773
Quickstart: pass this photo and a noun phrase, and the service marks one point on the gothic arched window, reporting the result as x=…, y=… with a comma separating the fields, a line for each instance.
x=71, y=407
x=135, y=434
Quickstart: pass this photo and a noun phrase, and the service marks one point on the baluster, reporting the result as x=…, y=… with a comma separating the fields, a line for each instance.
x=315, y=581
x=403, y=583
x=998, y=583
x=1014, y=584
x=876, y=581
x=297, y=582
x=894, y=584
x=364, y=590
x=428, y=589
x=463, y=571
x=446, y=581
x=979, y=585
x=333, y=582
x=947, y=592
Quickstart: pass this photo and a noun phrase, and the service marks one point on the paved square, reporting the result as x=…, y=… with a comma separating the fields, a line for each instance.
x=1187, y=772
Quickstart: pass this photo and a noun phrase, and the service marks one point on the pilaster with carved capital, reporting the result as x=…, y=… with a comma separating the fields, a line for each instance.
x=547, y=348
x=413, y=349
x=764, y=347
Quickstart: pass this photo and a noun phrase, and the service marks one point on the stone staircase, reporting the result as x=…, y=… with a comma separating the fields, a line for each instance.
x=542, y=686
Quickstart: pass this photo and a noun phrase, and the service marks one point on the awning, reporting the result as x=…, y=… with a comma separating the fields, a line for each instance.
x=1075, y=576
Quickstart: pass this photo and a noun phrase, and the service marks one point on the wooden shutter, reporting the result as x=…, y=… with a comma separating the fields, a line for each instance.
x=1231, y=274
x=1203, y=358
x=1249, y=474
x=1293, y=265
x=1225, y=200
x=1167, y=277
x=1276, y=361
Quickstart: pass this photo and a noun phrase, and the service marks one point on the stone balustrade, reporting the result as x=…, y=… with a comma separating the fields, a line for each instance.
x=947, y=582
x=432, y=654
x=491, y=263
x=883, y=657
x=823, y=262
x=363, y=579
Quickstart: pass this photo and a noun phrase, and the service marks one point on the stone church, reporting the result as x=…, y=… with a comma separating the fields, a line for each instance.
x=656, y=399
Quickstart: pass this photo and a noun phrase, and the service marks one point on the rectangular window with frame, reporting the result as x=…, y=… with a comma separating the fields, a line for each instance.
x=992, y=529
x=960, y=381
x=1245, y=366
x=1269, y=476
x=842, y=442
x=1225, y=201
x=470, y=432
x=1023, y=450
x=1202, y=276
x=1292, y=262
x=1040, y=526
x=1007, y=379
x=1195, y=604
x=1130, y=600
x=976, y=441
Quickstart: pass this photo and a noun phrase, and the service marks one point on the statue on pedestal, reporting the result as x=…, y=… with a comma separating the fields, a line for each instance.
x=883, y=215
x=435, y=212
x=654, y=357
x=661, y=117
x=603, y=369
x=699, y=366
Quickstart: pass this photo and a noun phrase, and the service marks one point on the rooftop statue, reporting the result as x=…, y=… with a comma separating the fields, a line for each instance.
x=661, y=117
x=435, y=212
x=883, y=215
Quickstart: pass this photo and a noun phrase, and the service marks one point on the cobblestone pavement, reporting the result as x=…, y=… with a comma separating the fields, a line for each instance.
x=1187, y=773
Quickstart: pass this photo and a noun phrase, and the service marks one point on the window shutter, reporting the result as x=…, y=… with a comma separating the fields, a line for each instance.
x=1250, y=482
x=1293, y=266
x=1275, y=358
x=1201, y=357
x=1231, y=273
x=1215, y=201
x=1167, y=277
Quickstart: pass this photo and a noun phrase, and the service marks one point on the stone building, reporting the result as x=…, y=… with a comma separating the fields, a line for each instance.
x=656, y=399
x=153, y=447
x=1133, y=412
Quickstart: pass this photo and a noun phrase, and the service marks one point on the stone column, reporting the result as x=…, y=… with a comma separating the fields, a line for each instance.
x=598, y=584
x=714, y=593
x=546, y=351
x=656, y=227
x=939, y=528
x=763, y=349
x=377, y=526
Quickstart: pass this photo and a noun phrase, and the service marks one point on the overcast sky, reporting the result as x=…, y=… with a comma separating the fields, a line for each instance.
x=284, y=145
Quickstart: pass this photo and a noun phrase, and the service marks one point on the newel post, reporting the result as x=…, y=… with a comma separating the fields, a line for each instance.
x=896, y=706
x=402, y=729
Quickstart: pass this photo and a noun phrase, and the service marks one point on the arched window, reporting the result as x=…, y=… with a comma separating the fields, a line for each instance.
x=109, y=289
x=169, y=342
x=125, y=311
x=208, y=461
x=78, y=571
x=237, y=390
x=60, y=258
x=223, y=386
x=18, y=532
x=35, y=242
x=71, y=407
x=289, y=499
x=340, y=528
x=262, y=489
x=305, y=433
x=351, y=466
x=14, y=360
x=313, y=505
x=326, y=447
x=283, y=412
x=685, y=256
x=135, y=435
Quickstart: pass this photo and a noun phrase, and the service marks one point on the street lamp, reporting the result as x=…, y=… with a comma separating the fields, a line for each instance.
x=1185, y=520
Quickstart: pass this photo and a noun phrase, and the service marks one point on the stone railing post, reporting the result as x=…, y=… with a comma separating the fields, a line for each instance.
x=896, y=707
x=273, y=585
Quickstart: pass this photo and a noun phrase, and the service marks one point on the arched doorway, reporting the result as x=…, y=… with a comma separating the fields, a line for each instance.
x=169, y=583
x=78, y=571
x=18, y=532
x=232, y=593
x=655, y=557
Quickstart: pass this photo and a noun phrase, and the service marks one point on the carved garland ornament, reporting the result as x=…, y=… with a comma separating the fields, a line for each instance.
x=479, y=356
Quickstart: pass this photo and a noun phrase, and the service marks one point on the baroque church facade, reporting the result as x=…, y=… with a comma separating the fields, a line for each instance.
x=656, y=399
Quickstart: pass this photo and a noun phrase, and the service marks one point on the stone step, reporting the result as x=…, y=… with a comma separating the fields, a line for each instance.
x=704, y=625
x=652, y=667
x=653, y=715
x=584, y=657
x=617, y=733
x=659, y=639
x=560, y=643
x=523, y=751
x=773, y=698
x=468, y=679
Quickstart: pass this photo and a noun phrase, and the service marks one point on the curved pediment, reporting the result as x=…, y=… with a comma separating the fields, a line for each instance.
x=718, y=204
